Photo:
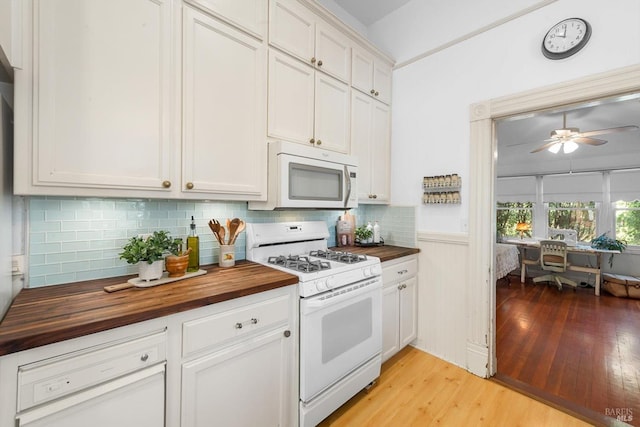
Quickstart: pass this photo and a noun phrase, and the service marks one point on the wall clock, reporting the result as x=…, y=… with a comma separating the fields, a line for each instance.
x=566, y=38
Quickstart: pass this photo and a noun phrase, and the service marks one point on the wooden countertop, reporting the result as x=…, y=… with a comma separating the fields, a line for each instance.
x=385, y=253
x=50, y=314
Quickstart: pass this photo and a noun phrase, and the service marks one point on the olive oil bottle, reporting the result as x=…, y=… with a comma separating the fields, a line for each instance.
x=193, y=242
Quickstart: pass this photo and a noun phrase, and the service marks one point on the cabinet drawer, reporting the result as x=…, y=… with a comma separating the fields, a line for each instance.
x=222, y=328
x=50, y=379
x=400, y=269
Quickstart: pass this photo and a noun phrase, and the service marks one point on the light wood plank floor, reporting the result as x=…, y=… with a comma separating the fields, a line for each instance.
x=417, y=389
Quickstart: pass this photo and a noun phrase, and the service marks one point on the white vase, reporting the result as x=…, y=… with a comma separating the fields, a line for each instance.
x=151, y=271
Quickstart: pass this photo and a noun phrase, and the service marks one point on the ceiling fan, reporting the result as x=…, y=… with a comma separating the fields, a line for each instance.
x=569, y=138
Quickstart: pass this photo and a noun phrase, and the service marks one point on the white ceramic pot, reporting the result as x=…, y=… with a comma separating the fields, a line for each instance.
x=151, y=271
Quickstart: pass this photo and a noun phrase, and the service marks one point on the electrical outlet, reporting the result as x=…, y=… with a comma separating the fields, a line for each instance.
x=17, y=265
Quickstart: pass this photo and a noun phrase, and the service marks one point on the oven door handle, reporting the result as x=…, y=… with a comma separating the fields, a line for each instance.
x=317, y=302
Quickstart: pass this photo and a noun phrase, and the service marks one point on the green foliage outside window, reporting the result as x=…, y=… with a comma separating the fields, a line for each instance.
x=628, y=222
x=577, y=216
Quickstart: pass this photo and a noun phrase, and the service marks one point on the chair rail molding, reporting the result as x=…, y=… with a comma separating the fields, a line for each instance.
x=481, y=293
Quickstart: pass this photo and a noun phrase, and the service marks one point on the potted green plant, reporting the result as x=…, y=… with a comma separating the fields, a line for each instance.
x=605, y=242
x=148, y=252
x=363, y=234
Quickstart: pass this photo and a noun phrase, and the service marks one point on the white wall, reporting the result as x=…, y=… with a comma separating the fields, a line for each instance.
x=431, y=97
x=431, y=130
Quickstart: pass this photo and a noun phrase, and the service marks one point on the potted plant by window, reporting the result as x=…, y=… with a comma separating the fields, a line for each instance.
x=605, y=242
x=148, y=252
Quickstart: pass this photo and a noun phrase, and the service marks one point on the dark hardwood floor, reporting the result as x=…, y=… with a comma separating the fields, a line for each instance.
x=582, y=349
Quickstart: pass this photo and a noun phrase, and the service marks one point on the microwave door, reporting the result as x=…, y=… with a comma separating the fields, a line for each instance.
x=313, y=184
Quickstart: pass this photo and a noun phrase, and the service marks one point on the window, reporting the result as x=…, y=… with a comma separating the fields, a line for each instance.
x=510, y=213
x=628, y=222
x=578, y=216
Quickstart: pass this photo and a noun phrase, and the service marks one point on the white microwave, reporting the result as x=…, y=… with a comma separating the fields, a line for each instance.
x=301, y=177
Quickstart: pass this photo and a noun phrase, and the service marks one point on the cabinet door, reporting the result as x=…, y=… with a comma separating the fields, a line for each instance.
x=362, y=70
x=333, y=51
x=390, y=329
x=292, y=29
x=248, y=384
x=382, y=81
x=224, y=109
x=332, y=106
x=362, y=141
x=380, y=152
x=102, y=93
x=249, y=15
x=291, y=99
x=408, y=311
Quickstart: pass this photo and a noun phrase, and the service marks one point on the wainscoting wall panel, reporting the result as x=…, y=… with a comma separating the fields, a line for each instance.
x=442, y=310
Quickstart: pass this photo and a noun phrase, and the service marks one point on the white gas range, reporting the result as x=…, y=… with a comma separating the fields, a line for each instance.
x=340, y=311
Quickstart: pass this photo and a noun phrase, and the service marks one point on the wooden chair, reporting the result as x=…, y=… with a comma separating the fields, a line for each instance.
x=553, y=258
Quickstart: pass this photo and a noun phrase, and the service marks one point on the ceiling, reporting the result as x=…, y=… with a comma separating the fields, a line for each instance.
x=370, y=11
x=518, y=136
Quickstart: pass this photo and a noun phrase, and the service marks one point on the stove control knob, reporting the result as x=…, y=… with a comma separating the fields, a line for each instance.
x=366, y=271
x=321, y=285
x=331, y=282
x=375, y=270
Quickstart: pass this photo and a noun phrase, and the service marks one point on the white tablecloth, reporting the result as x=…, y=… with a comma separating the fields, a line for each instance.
x=506, y=259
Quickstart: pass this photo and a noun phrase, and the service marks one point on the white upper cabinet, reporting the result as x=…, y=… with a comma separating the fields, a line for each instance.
x=296, y=30
x=332, y=112
x=248, y=15
x=96, y=100
x=371, y=75
x=370, y=142
x=224, y=109
x=306, y=106
x=291, y=99
x=10, y=38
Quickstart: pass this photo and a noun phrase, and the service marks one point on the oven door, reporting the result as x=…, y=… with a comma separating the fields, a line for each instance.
x=313, y=183
x=339, y=331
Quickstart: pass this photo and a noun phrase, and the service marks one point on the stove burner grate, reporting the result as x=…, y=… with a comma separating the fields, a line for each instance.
x=299, y=263
x=339, y=256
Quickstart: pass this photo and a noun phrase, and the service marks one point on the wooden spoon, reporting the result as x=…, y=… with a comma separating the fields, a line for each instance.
x=233, y=226
x=240, y=229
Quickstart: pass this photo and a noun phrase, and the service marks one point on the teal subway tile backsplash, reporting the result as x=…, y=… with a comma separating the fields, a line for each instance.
x=76, y=239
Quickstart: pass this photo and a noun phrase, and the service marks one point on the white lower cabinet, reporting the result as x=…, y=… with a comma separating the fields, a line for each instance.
x=242, y=385
x=399, y=304
x=240, y=364
x=233, y=363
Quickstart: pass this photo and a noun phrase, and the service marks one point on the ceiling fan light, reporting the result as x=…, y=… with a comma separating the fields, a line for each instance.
x=570, y=147
x=555, y=148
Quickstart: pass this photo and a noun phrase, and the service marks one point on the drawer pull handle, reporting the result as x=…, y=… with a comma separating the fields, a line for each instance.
x=144, y=357
x=403, y=272
x=240, y=325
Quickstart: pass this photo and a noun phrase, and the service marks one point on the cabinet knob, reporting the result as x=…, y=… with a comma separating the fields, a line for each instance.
x=371, y=196
x=312, y=141
x=313, y=60
x=318, y=142
x=189, y=185
x=320, y=63
x=375, y=196
x=166, y=184
x=373, y=91
x=287, y=333
x=376, y=94
x=399, y=287
x=144, y=357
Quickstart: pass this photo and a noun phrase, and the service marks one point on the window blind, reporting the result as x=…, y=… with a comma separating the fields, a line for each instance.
x=575, y=187
x=516, y=189
x=625, y=185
